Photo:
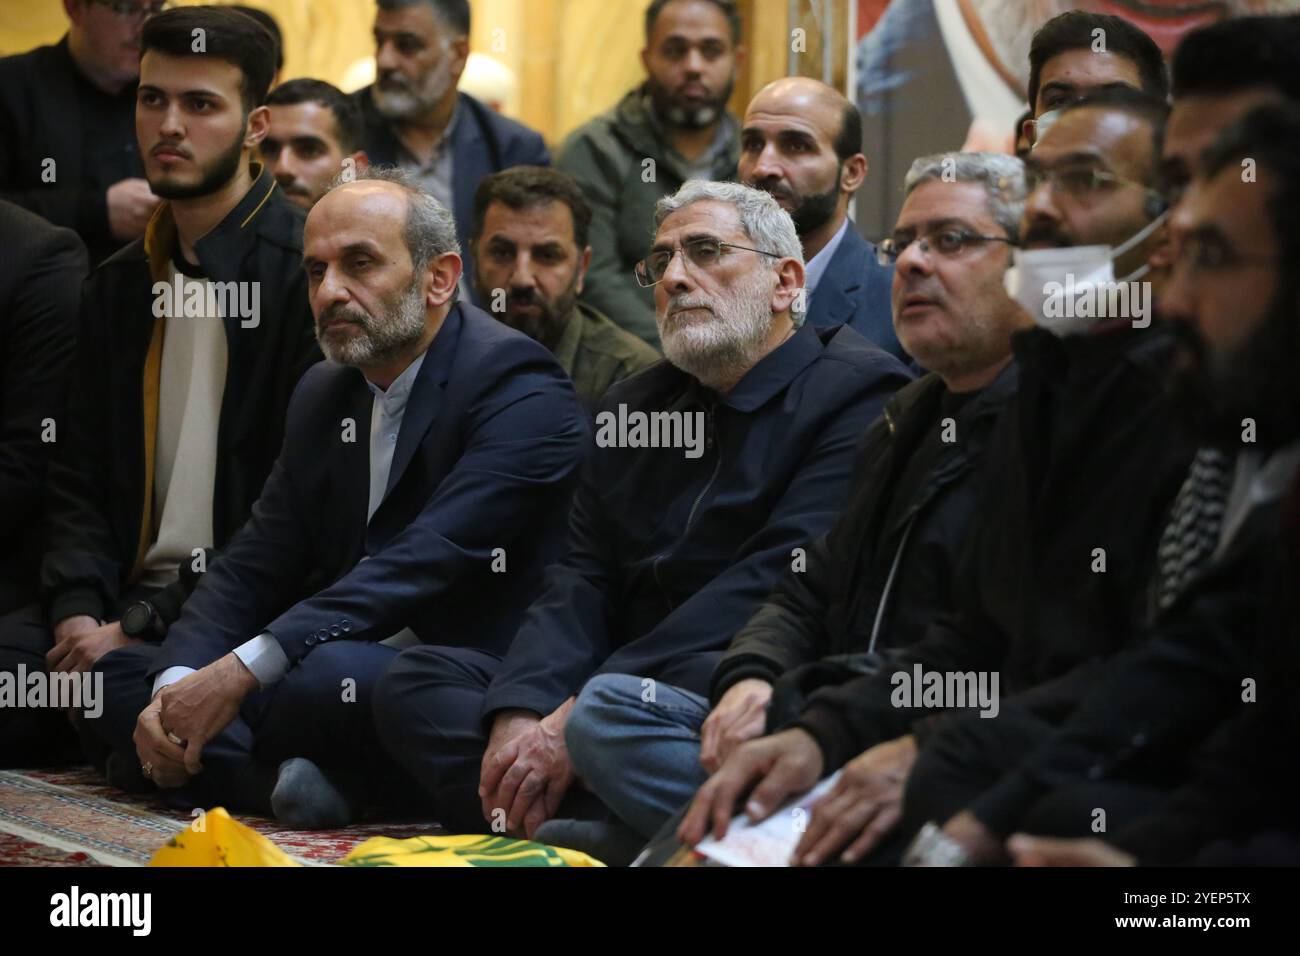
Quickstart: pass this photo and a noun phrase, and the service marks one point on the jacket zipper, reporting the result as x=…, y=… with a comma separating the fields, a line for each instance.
x=690, y=518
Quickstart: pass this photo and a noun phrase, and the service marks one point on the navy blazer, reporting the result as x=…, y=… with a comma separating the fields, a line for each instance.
x=855, y=290
x=668, y=556
x=483, y=142
x=476, y=506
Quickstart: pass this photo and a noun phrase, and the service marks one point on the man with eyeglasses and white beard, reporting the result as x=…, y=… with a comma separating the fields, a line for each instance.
x=670, y=548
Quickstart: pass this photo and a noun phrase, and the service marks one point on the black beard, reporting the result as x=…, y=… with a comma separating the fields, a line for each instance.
x=676, y=116
x=545, y=326
x=219, y=172
x=1256, y=381
x=813, y=212
x=810, y=212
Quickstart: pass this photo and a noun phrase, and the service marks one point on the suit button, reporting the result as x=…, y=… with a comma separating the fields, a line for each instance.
x=335, y=630
x=311, y=640
x=322, y=635
x=347, y=626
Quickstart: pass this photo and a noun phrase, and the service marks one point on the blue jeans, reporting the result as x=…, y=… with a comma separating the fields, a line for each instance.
x=636, y=745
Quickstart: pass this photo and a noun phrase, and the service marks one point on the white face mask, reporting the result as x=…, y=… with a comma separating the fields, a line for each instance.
x=1040, y=279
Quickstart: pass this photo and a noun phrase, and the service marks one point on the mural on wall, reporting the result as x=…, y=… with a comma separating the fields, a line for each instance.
x=936, y=75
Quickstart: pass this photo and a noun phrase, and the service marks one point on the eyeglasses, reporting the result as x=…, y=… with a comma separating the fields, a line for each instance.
x=138, y=11
x=703, y=253
x=947, y=242
x=1076, y=181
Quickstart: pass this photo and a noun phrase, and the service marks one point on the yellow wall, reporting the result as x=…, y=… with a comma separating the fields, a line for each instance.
x=573, y=58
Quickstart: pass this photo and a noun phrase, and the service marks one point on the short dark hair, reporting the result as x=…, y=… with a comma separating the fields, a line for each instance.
x=728, y=8
x=523, y=187
x=1239, y=54
x=1269, y=135
x=453, y=13
x=348, y=122
x=227, y=35
x=848, y=141
x=1074, y=31
x=268, y=23
x=1152, y=110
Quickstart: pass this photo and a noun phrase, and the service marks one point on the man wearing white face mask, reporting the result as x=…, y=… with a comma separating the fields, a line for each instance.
x=1093, y=218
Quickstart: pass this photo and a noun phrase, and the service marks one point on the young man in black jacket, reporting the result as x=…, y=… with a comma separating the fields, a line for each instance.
x=1090, y=454
x=887, y=565
x=191, y=342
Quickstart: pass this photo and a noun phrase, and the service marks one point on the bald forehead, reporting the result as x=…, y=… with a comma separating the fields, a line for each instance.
x=1116, y=136
x=799, y=102
x=365, y=198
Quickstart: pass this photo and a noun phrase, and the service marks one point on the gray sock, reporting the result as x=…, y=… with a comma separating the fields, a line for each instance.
x=305, y=799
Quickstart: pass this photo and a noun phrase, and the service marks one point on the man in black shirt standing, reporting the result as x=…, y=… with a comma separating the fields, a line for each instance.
x=69, y=151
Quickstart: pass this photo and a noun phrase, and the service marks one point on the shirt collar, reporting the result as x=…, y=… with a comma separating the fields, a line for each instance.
x=393, y=400
x=816, y=267
x=439, y=148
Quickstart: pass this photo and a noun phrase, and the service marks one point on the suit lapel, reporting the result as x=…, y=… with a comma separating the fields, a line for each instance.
x=427, y=397
x=353, y=471
x=834, y=295
x=468, y=166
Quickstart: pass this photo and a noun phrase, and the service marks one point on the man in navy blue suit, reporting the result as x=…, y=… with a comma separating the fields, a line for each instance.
x=422, y=488
x=801, y=141
x=416, y=119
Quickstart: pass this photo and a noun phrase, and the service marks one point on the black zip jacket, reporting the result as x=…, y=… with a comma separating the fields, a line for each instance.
x=97, y=476
x=833, y=606
x=668, y=555
x=1088, y=458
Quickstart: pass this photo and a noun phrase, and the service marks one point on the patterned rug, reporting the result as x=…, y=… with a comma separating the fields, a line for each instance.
x=70, y=817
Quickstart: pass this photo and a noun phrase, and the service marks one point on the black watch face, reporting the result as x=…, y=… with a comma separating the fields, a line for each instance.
x=136, y=619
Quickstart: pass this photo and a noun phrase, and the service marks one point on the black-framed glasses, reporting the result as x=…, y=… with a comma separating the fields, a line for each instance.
x=128, y=9
x=946, y=242
x=702, y=252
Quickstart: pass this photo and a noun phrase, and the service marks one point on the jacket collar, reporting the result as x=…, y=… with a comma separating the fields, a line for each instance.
x=566, y=346
x=843, y=277
x=427, y=394
x=221, y=250
x=775, y=371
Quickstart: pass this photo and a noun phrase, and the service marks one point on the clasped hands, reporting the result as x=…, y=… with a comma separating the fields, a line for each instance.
x=183, y=717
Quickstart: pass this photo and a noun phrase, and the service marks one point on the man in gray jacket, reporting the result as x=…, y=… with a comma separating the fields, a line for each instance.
x=672, y=128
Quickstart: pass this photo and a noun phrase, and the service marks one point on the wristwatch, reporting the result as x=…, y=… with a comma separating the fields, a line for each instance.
x=142, y=620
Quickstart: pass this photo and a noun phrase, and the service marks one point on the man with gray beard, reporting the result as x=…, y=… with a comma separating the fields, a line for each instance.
x=415, y=117
x=420, y=492
x=669, y=551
